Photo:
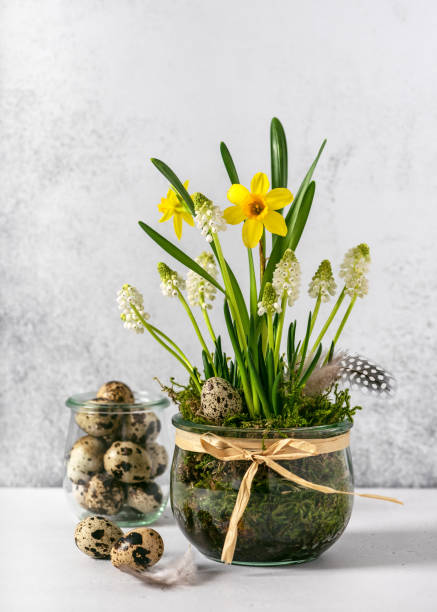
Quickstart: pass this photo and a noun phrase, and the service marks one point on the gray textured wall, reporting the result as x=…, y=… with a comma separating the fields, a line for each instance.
x=91, y=89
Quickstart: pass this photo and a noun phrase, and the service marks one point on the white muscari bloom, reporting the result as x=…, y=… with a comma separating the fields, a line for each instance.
x=128, y=297
x=209, y=218
x=200, y=292
x=355, y=264
x=286, y=277
x=270, y=303
x=170, y=280
x=323, y=282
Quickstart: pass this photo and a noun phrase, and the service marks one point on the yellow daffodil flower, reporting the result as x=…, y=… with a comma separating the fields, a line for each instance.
x=257, y=209
x=171, y=206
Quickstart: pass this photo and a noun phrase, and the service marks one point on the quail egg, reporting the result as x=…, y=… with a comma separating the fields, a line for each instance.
x=138, y=550
x=219, y=400
x=98, y=423
x=159, y=458
x=85, y=459
x=141, y=427
x=127, y=462
x=79, y=492
x=95, y=536
x=145, y=498
x=104, y=495
x=116, y=391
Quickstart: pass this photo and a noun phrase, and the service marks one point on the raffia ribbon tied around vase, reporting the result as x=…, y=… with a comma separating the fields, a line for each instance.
x=268, y=451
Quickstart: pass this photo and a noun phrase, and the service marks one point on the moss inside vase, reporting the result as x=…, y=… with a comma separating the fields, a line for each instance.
x=283, y=522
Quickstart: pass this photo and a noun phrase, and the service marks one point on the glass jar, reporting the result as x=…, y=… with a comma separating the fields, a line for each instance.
x=283, y=523
x=116, y=458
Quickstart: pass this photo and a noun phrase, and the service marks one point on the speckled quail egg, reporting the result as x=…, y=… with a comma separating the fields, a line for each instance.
x=159, y=458
x=98, y=423
x=138, y=550
x=104, y=495
x=145, y=498
x=95, y=536
x=128, y=462
x=85, y=459
x=116, y=391
x=219, y=400
x=79, y=492
x=141, y=427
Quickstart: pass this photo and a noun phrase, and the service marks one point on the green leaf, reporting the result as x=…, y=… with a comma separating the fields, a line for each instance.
x=305, y=345
x=253, y=292
x=282, y=243
x=290, y=342
x=275, y=392
x=302, y=216
x=175, y=252
x=255, y=379
x=237, y=292
x=238, y=358
x=173, y=180
x=229, y=164
x=206, y=366
x=311, y=367
x=278, y=154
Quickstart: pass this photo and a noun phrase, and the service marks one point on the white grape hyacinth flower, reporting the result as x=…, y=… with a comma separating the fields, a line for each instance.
x=355, y=265
x=170, y=281
x=129, y=299
x=201, y=292
x=269, y=303
x=323, y=283
x=209, y=218
x=286, y=277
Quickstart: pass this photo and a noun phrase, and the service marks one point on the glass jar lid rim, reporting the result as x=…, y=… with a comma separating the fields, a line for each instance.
x=144, y=400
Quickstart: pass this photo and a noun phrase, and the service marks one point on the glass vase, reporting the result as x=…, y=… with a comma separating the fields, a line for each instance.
x=284, y=523
x=116, y=458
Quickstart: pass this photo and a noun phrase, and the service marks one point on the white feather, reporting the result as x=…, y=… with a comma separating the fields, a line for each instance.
x=181, y=571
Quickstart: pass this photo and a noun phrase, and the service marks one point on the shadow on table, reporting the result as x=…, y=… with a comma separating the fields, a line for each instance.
x=373, y=549
x=381, y=548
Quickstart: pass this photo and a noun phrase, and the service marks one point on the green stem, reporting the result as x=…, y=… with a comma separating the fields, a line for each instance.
x=230, y=291
x=170, y=341
x=196, y=328
x=315, y=312
x=270, y=332
x=313, y=321
x=345, y=318
x=181, y=360
x=279, y=330
x=262, y=256
x=253, y=291
x=207, y=321
x=329, y=319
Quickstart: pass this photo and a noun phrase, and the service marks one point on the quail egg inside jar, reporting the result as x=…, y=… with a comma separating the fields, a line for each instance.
x=129, y=479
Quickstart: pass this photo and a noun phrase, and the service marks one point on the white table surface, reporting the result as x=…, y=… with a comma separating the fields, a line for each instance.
x=386, y=560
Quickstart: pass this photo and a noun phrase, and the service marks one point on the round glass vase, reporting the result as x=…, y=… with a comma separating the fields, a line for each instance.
x=283, y=523
x=116, y=458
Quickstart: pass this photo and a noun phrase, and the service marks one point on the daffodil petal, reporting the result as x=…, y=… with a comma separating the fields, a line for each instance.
x=252, y=232
x=278, y=198
x=233, y=215
x=275, y=224
x=185, y=184
x=166, y=216
x=237, y=194
x=260, y=183
x=188, y=218
x=177, y=224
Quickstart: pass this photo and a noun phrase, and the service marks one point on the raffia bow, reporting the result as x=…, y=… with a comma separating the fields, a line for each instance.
x=259, y=451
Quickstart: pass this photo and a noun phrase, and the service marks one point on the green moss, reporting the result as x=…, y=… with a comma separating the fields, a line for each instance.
x=298, y=410
x=282, y=522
